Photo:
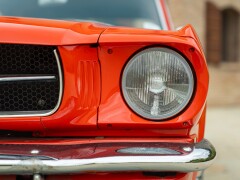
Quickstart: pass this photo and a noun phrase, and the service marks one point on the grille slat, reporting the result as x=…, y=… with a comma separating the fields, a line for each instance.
x=30, y=80
x=26, y=78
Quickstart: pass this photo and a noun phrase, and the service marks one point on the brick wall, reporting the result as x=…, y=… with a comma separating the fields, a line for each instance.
x=209, y=27
x=189, y=12
x=213, y=33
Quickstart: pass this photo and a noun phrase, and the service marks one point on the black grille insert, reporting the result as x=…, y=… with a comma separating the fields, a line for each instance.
x=30, y=79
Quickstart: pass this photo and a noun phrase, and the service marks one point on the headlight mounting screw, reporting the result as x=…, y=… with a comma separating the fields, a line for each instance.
x=192, y=49
x=110, y=51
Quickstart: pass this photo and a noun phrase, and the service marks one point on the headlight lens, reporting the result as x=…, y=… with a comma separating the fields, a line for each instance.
x=157, y=83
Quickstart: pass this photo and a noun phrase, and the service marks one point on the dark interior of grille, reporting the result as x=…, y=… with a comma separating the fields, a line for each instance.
x=29, y=79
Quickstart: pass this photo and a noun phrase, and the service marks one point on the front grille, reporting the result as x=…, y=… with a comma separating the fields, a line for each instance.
x=30, y=80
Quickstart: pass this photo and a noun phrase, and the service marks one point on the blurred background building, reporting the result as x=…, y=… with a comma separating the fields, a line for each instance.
x=217, y=23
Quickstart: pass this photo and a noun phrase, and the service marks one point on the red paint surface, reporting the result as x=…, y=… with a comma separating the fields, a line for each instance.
x=72, y=141
x=92, y=103
x=47, y=32
x=78, y=109
x=112, y=176
x=166, y=14
x=121, y=176
x=125, y=42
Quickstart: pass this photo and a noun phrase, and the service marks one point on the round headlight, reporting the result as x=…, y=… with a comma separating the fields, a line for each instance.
x=157, y=83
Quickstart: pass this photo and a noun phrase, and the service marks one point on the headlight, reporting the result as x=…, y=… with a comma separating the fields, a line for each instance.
x=157, y=83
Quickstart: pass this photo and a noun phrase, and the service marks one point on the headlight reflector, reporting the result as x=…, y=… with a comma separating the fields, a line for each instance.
x=157, y=83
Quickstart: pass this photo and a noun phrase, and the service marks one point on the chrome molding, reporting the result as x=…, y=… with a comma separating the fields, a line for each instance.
x=60, y=84
x=197, y=158
x=26, y=78
x=22, y=157
x=4, y=114
x=161, y=15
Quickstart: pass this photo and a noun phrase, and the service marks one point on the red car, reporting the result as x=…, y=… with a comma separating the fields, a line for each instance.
x=80, y=99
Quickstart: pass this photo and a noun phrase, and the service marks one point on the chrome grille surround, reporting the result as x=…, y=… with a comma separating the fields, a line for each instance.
x=25, y=81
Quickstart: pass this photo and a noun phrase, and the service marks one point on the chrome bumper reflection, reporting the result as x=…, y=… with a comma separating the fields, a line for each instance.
x=105, y=157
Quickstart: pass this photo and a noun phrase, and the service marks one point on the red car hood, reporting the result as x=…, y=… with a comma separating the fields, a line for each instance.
x=48, y=32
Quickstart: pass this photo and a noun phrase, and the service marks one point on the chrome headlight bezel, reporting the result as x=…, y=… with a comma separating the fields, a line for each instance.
x=188, y=70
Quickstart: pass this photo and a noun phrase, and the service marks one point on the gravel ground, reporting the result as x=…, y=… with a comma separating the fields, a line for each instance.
x=223, y=121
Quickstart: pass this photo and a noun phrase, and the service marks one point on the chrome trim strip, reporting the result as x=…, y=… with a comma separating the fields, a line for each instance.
x=4, y=114
x=22, y=157
x=161, y=15
x=26, y=78
x=60, y=84
x=195, y=157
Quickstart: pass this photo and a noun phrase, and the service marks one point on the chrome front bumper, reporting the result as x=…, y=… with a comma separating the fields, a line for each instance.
x=105, y=157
